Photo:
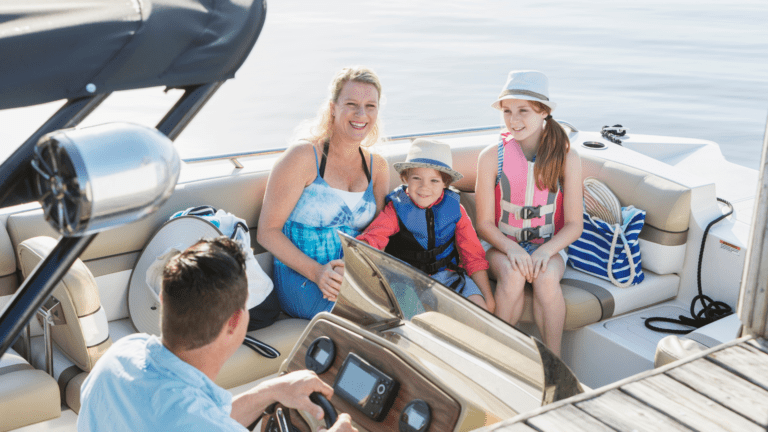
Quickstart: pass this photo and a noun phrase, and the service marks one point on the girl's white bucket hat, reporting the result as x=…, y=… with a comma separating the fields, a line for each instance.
x=526, y=85
x=426, y=153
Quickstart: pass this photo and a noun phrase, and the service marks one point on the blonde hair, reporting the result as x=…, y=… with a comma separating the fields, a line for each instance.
x=321, y=128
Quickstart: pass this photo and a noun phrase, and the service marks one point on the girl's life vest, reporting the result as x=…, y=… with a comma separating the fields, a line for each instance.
x=427, y=236
x=524, y=212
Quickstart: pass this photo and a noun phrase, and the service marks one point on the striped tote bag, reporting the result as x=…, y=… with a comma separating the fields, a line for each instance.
x=610, y=252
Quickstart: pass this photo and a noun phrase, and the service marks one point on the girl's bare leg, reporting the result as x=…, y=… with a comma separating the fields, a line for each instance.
x=509, y=287
x=549, y=305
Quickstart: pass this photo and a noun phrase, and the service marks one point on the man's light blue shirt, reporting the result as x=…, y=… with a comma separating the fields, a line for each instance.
x=140, y=385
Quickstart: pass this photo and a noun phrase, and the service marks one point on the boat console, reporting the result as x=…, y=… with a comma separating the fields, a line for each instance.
x=373, y=383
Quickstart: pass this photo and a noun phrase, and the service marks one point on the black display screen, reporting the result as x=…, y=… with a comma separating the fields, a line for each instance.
x=357, y=382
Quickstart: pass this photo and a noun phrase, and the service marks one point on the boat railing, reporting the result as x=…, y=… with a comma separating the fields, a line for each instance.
x=235, y=157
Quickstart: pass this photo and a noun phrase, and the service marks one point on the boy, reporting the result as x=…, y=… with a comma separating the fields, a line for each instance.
x=424, y=224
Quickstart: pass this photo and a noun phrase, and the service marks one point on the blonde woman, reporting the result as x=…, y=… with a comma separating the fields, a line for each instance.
x=325, y=183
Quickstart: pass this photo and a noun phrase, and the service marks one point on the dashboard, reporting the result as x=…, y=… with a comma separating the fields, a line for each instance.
x=375, y=386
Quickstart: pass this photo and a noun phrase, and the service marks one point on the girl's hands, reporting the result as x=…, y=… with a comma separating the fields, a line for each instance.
x=540, y=259
x=329, y=279
x=521, y=262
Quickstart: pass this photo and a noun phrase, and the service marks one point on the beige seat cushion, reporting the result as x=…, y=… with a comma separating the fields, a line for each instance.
x=247, y=366
x=85, y=336
x=589, y=299
x=27, y=395
x=581, y=307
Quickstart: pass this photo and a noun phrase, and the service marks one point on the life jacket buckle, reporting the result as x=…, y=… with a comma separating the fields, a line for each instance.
x=527, y=234
x=530, y=212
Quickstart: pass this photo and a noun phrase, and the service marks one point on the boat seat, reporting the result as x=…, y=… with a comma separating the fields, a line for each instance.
x=84, y=338
x=589, y=299
x=27, y=395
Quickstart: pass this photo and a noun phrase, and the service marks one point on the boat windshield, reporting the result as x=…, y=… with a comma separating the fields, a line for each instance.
x=380, y=288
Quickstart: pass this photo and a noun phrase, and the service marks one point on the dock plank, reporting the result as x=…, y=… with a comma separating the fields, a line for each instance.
x=514, y=427
x=622, y=412
x=746, y=361
x=725, y=388
x=568, y=419
x=688, y=406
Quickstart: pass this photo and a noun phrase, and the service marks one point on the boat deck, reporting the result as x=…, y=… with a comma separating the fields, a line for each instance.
x=721, y=389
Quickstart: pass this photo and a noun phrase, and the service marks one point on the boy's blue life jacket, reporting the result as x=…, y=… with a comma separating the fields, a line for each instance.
x=427, y=237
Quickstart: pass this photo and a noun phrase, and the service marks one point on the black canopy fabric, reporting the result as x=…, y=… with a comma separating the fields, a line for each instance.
x=64, y=49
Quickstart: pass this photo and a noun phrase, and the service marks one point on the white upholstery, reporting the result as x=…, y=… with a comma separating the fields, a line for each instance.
x=654, y=289
x=662, y=259
x=85, y=335
x=27, y=396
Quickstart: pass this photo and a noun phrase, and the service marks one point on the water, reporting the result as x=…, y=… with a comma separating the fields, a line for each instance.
x=665, y=67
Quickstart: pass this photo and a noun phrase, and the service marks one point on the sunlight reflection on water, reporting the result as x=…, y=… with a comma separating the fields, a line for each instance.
x=674, y=67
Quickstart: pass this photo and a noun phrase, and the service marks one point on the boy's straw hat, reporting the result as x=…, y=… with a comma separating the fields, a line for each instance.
x=426, y=153
x=526, y=85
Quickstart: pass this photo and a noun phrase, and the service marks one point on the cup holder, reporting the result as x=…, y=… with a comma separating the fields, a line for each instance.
x=594, y=145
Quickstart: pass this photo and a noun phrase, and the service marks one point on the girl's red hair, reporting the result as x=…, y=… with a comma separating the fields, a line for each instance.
x=549, y=169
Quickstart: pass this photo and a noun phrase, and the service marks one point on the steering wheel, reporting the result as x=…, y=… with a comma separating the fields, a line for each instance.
x=279, y=419
x=329, y=413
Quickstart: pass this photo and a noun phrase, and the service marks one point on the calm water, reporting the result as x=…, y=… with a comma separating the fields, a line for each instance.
x=672, y=67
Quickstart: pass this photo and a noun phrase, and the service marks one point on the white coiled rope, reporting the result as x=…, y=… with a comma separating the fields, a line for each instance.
x=601, y=203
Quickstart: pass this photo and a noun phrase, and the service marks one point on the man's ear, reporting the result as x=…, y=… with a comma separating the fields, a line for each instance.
x=234, y=321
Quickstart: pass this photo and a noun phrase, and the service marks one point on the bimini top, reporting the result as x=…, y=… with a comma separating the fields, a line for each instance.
x=64, y=49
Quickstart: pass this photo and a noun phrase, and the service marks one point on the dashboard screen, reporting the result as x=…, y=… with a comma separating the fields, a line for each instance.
x=320, y=355
x=357, y=382
x=415, y=420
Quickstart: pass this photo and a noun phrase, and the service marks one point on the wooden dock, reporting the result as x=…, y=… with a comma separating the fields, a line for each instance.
x=721, y=389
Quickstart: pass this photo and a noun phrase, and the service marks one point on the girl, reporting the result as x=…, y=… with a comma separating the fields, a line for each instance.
x=529, y=204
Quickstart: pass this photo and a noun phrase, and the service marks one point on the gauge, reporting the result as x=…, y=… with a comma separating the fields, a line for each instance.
x=320, y=355
x=415, y=417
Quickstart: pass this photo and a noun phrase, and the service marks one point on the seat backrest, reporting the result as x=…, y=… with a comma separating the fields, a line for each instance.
x=8, y=280
x=667, y=205
x=85, y=336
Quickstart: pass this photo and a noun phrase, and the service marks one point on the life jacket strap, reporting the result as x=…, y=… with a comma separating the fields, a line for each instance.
x=527, y=212
x=434, y=267
x=527, y=234
x=423, y=256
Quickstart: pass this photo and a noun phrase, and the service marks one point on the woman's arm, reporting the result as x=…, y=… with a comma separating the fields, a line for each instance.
x=294, y=171
x=380, y=178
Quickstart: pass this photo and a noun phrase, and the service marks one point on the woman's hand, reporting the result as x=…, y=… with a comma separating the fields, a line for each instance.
x=540, y=260
x=329, y=279
x=521, y=262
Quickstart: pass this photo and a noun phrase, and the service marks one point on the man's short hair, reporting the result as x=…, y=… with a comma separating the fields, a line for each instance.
x=202, y=287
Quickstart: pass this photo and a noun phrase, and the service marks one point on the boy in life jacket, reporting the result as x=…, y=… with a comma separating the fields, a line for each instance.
x=424, y=224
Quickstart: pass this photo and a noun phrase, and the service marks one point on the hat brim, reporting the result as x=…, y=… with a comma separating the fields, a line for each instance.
x=143, y=301
x=455, y=175
x=497, y=104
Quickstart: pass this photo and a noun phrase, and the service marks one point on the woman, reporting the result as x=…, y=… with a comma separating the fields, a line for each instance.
x=326, y=183
x=529, y=204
